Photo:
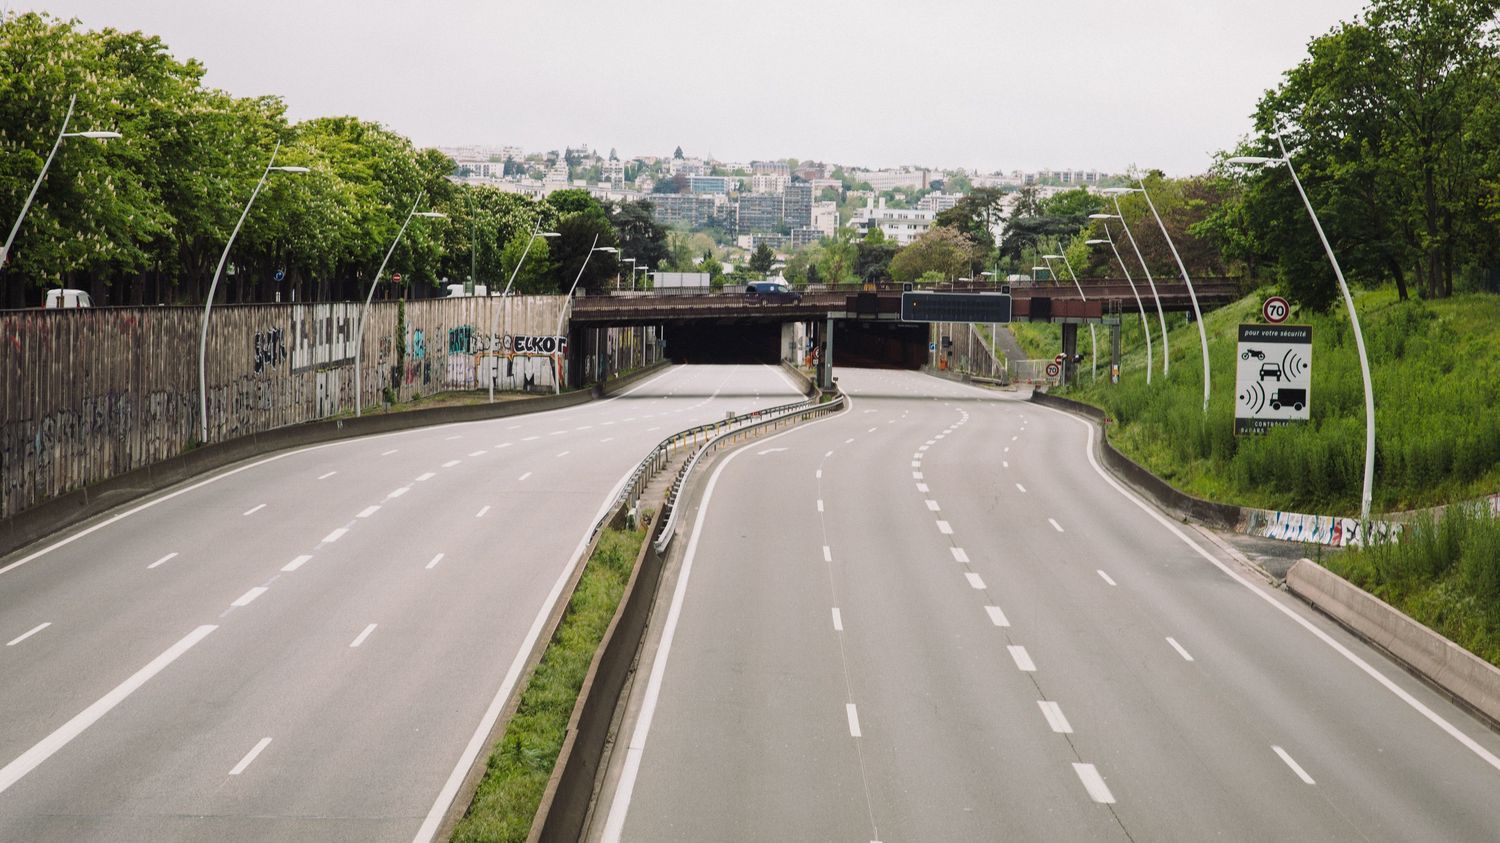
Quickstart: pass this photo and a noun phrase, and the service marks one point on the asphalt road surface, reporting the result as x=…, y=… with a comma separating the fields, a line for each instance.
x=306, y=647
x=932, y=617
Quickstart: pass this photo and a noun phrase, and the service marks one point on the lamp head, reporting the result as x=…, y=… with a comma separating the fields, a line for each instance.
x=1052, y=257
x=1096, y=242
x=1104, y=216
x=1119, y=191
x=1254, y=160
x=432, y=215
x=548, y=234
x=94, y=135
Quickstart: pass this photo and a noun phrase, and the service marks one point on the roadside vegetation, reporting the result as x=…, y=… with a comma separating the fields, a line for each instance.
x=507, y=798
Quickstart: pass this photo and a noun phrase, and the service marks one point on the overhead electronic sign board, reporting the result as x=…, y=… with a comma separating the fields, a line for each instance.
x=955, y=307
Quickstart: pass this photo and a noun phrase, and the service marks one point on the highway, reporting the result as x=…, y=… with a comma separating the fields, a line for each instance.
x=310, y=646
x=934, y=617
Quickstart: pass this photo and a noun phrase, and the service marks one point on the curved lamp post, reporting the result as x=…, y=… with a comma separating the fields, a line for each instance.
x=1145, y=325
x=1166, y=352
x=359, y=326
x=214, y=286
x=1359, y=338
x=62, y=133
x=557, y=376
x=536, y=232
x=1093, y=334
x=1197, y=314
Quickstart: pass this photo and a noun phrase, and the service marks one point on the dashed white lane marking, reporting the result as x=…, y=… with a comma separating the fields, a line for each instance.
x=975, y=582
x=606, y=424
x=853, y=715
x=819, y=474
x=827, y=553
x=1019, y=486
x=585, y=427
x=530, y=438
x=502, y=445
x=335, y=535
x=249, y=597
x=436, y=559
x=41, y=626
x=169, y=557
x=945, y=528
x=558, y=433
x=932, y=506
x=388, y=453
x=451, y=438
x=1053, y=712
x=916, y=475
x=399, y=492
x=929, y=441
x=1014, y=438
x=451, y=463
x=562, y=454
x=1022, y=658
x=872, y=430
x=849, y=440
x=838, y=620
x=820, y=504
x=653, y=429
x=425, y=476
x=769, y=451
x=922, y=487
x=959, y=555
x=515, y=427
x=477, y=453
x=1007, y=449
x=296, y=563
x=1296, y=768
x=326, y=476
x=997, y=617
x=923, y=447
x=1056, y=526
x=1107, y=578
x=250, y=756
x=368, y=511
x=482, y=511
x=606, y=439
x=827, y=454
x=360, y=639
x=1004, y=464
x=523, y=477
x=1094, y=783
x=1186, y=656
x=916, y=463
x=254, y=509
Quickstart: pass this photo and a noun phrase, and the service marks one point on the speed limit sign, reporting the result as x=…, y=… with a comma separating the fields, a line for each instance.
x=1276, y=310
x=1053, y=370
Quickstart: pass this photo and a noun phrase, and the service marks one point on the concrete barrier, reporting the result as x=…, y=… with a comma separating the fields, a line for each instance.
x=1463, y=675
x=808, y=387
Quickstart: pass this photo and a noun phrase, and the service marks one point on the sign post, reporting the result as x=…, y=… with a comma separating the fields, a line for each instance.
x=1273, y=383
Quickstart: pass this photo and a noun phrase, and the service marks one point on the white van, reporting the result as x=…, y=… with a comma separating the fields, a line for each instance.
x=67, y=298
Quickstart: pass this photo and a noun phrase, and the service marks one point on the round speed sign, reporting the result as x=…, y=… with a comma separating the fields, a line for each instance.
x=1276, y=310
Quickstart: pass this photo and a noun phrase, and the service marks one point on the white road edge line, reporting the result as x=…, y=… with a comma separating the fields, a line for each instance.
x=1094, y=783
x=250, y=756
x=360, y=639
x=1053, y=712
x=853, y=714
x=1186, y=656
x=1296, y=768
x=41, y=626
x=44, y=749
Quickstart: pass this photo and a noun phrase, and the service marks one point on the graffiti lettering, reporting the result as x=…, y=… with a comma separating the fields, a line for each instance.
x=270, y=349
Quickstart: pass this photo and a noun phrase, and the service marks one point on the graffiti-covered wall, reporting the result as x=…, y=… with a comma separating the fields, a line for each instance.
x=88, y=394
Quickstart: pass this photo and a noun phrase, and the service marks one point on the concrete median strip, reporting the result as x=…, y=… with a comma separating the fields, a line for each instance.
x=1465, y=676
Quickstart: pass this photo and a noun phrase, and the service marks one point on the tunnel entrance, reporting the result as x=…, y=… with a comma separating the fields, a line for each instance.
x=879, y=345
x=724, y=342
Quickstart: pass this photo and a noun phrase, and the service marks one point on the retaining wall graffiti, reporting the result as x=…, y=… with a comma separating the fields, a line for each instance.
x=1315, y=529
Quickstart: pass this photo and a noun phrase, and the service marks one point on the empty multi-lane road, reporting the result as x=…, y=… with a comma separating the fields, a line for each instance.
x=309, y=646
x=932, y=617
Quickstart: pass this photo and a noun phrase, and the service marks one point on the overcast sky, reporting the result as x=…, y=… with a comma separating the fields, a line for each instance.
x=988, y=84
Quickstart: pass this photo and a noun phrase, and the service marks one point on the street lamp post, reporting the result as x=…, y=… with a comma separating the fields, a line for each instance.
x=1145, y=325
x=1197, y=314
x=1093, y=333
x=359, y=326
x=1166, y=351
x=630, y=261
x=62, y=133
x=214, y=286
x=536, y=232
x=595, y=247
x=1359, y=338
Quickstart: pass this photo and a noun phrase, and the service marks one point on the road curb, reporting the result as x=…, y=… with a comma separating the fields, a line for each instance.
x=1466, y=678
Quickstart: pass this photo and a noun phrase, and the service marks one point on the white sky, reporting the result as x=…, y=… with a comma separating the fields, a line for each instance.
x=988, y=84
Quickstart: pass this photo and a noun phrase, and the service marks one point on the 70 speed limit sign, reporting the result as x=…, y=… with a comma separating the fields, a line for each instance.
x=1276, y=310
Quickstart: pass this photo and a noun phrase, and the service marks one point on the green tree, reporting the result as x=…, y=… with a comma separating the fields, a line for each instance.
x=762, y=259
x=942, y=250
x=975, y=216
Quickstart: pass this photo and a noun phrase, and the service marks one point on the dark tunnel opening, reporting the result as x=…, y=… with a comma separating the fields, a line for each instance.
x=723, y=342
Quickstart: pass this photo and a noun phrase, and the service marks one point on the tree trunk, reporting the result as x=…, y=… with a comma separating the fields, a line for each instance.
x=1395, y=269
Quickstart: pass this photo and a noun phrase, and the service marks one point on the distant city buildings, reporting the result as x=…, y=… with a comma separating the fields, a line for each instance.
x=900, y=225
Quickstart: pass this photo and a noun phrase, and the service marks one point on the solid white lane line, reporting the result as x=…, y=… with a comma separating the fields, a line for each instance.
x=360, y=639
x=944, y=528
x=28, y=761
x=827, y=554
x=1107, y=578
x=249, y=597
x=932, y=506
x=388, y=453
x=1022, y=658
x=922, y=487
x=250, y=756
x=451, y=463
x=1094, y=783
x=853, y=715
x=1178, y=647
x=523, y=477
x=41, y=626
x=477, y=453
x=436, y=559
x=296, y=563
x=425, y=476
x=169, y=557
x=563, y=454
x=1053, y=712
x=838, y=620
x=368, y=511
x=254, y=509
x=997, y=617
x=482, y=511
x=820, y=504
x=959, y=555
x=326, y=476
x=1019, y=486
x=1296, y=768
x=1056, y=526
x=335, y=535
x=399, y=492
x=975, y=582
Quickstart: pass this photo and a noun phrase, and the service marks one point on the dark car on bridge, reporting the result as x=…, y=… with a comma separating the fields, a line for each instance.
x=771, y=292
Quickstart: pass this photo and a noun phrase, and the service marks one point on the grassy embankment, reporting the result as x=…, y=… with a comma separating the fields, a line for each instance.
x=507, y=798
x=1436, y=373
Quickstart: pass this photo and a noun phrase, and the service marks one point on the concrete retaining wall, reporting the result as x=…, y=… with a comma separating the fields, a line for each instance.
x=1468, y=678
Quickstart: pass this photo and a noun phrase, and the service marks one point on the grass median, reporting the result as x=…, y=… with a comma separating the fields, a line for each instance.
x=507, y=798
